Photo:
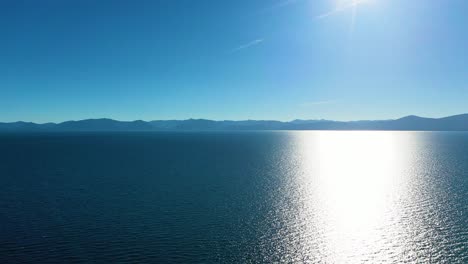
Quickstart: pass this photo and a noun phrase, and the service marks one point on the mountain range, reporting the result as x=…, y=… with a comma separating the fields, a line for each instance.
x=408, y=123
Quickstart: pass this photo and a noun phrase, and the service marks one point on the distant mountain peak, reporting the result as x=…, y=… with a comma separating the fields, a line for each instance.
x=411, y=117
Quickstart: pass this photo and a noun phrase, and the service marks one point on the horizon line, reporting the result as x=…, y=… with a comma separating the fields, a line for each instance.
x=229, y=120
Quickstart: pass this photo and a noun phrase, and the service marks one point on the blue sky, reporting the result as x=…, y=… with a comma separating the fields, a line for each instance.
x=269, y=59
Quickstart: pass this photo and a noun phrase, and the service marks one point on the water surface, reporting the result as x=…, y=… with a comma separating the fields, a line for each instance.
x=244, y=197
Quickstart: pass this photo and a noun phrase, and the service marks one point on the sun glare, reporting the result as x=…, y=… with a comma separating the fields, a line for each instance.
x=357, y=177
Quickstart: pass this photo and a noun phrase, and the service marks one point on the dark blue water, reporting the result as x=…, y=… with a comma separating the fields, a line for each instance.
x=250, y=197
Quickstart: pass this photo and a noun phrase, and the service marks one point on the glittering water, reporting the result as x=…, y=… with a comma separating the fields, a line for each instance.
x=251, y=197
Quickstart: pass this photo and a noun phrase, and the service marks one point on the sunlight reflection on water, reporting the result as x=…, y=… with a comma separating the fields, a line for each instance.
x=356, y=195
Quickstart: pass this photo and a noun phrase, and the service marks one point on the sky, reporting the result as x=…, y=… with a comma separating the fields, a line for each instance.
x=232, y=60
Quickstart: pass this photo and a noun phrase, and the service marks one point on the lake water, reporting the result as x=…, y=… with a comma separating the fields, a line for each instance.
x=234, y=197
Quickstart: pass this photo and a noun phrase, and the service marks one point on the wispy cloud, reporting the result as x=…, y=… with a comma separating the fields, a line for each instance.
x=284, y=3
x=247, y=45
x=316, y=103
x=278, y=5
x=341, y=8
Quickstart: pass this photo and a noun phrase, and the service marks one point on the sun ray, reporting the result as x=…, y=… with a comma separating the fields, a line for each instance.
x=342, y=6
